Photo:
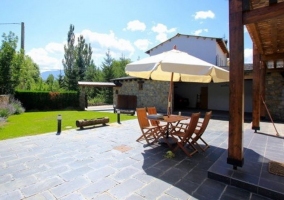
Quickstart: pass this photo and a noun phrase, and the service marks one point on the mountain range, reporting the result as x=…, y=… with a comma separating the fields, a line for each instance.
x=55, y=73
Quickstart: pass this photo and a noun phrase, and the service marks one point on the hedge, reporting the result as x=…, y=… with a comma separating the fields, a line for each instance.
x=34, y=100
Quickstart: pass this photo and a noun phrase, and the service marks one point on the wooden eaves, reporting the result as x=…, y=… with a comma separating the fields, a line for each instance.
x=264, y=20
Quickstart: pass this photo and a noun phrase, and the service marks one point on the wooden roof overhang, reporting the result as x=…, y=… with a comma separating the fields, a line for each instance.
x=264, y=20
x=95, y=84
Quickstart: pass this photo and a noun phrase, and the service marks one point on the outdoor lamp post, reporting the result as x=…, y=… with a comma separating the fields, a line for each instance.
x=59, y=119
x=118, y=116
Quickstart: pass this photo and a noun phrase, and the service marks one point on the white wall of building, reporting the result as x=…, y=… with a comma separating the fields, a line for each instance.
x=204, y=48
x=218, y=94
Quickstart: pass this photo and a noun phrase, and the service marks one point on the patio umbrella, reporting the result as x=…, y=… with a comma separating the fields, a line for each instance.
x=174, y=66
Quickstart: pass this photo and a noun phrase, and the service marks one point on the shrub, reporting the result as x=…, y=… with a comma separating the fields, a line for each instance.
x=98, y=100
x=14, y=107
x=17, y=106
x=4, y=112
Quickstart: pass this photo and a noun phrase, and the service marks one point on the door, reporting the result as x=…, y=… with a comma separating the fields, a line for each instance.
x=204, y=98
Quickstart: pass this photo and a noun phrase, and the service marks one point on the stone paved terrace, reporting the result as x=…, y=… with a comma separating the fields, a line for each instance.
x=107, y=163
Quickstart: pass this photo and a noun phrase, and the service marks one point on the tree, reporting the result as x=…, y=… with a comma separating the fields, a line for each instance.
x=50, y=82
x=7, y=53
x=70, y=71
x=83, y=57
x=29, y=74
x=119, y=66
x=76, y=60
x=108, y=74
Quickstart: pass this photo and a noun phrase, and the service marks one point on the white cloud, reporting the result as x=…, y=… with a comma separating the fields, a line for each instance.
x=199, y=31
x=50, y=57
x=108, y=41
x=55, y=47
x=162, y=31
x=142, y=44
x=45, y=60
x=136, y=25
x=204, y=15
x=248, y=55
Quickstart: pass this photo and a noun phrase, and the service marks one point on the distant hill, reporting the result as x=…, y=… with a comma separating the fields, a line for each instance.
x=55, y=73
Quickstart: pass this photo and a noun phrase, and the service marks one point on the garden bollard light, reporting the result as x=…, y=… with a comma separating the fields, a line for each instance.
x=59, y=119
x=114, y=108
x=118, y=116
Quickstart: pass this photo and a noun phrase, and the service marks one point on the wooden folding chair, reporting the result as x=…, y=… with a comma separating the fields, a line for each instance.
x=184, y=136
x=161, y=127
x=200, y=130
x=148, y=131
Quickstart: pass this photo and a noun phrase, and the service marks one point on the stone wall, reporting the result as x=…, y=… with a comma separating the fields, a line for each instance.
x=152, y=93
x=4, y=100
x=274, y=93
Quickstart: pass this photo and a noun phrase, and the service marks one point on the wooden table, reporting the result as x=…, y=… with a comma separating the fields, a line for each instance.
x=169, y=120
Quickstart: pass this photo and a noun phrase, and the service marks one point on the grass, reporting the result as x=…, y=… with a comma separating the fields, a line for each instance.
x=34, y=123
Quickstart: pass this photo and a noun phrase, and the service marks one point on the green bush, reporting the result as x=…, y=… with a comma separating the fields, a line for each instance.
x=44, y=101
x=4, y=112
x=17, y=105
x=14, y=107
x=98, y=100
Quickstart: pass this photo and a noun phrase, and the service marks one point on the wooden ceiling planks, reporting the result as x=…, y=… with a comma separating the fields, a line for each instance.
x=264, y=21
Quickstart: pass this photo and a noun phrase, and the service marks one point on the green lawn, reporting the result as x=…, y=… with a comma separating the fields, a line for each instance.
x=33, y=123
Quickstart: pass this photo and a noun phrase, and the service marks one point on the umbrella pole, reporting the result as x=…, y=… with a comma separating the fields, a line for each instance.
x=170, y=95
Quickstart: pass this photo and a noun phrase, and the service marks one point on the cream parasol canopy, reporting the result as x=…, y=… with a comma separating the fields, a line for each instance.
x=175, y=66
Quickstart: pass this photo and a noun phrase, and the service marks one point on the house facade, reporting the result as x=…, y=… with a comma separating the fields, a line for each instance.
x=209, y=49
x=209, y=96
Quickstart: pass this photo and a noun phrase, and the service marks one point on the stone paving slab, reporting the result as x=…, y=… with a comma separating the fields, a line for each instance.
x=107, y=163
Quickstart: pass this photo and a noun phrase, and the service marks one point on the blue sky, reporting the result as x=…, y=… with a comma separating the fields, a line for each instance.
x=125, y=27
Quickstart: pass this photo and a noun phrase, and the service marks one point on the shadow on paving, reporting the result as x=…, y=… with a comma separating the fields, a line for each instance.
x=253, y=176
x=187, y=175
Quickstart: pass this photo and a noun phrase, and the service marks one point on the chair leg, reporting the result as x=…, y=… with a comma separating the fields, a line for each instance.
x=147, y=135
x=138, y=139
x=182, y=145
x=206, y=145
x=193, y=142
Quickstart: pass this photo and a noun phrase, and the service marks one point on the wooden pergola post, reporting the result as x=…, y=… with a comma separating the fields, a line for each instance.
x=256, y=85
x=262, y=88
x=236, y=85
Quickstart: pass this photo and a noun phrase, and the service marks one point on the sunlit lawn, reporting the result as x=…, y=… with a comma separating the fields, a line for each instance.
x=33, y=123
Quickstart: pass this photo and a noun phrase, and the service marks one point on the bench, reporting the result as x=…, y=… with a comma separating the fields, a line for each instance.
x=89, y=122
x=126, y=104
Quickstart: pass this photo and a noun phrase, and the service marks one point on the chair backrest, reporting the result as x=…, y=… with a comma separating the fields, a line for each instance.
x=204, y=125
x=142, y=117
x=192, y=124
x=153, y=111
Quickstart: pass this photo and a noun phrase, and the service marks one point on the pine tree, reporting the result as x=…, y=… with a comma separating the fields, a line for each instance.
x=70, y=70
x=108, y=74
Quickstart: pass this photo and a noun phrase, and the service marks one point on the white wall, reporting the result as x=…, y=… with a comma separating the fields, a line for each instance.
x=218, y=94
x=221, y=57
x=204, y=48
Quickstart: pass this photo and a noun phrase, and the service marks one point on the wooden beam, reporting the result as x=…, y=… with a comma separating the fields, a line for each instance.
x=236, y=85
x=272, y=2
x=279, y=70
x=264, y=13
x=256, y=84
x=277, y=56
x=246, y=5
x=262, y=88
x=254, y=34
x=273, y=36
